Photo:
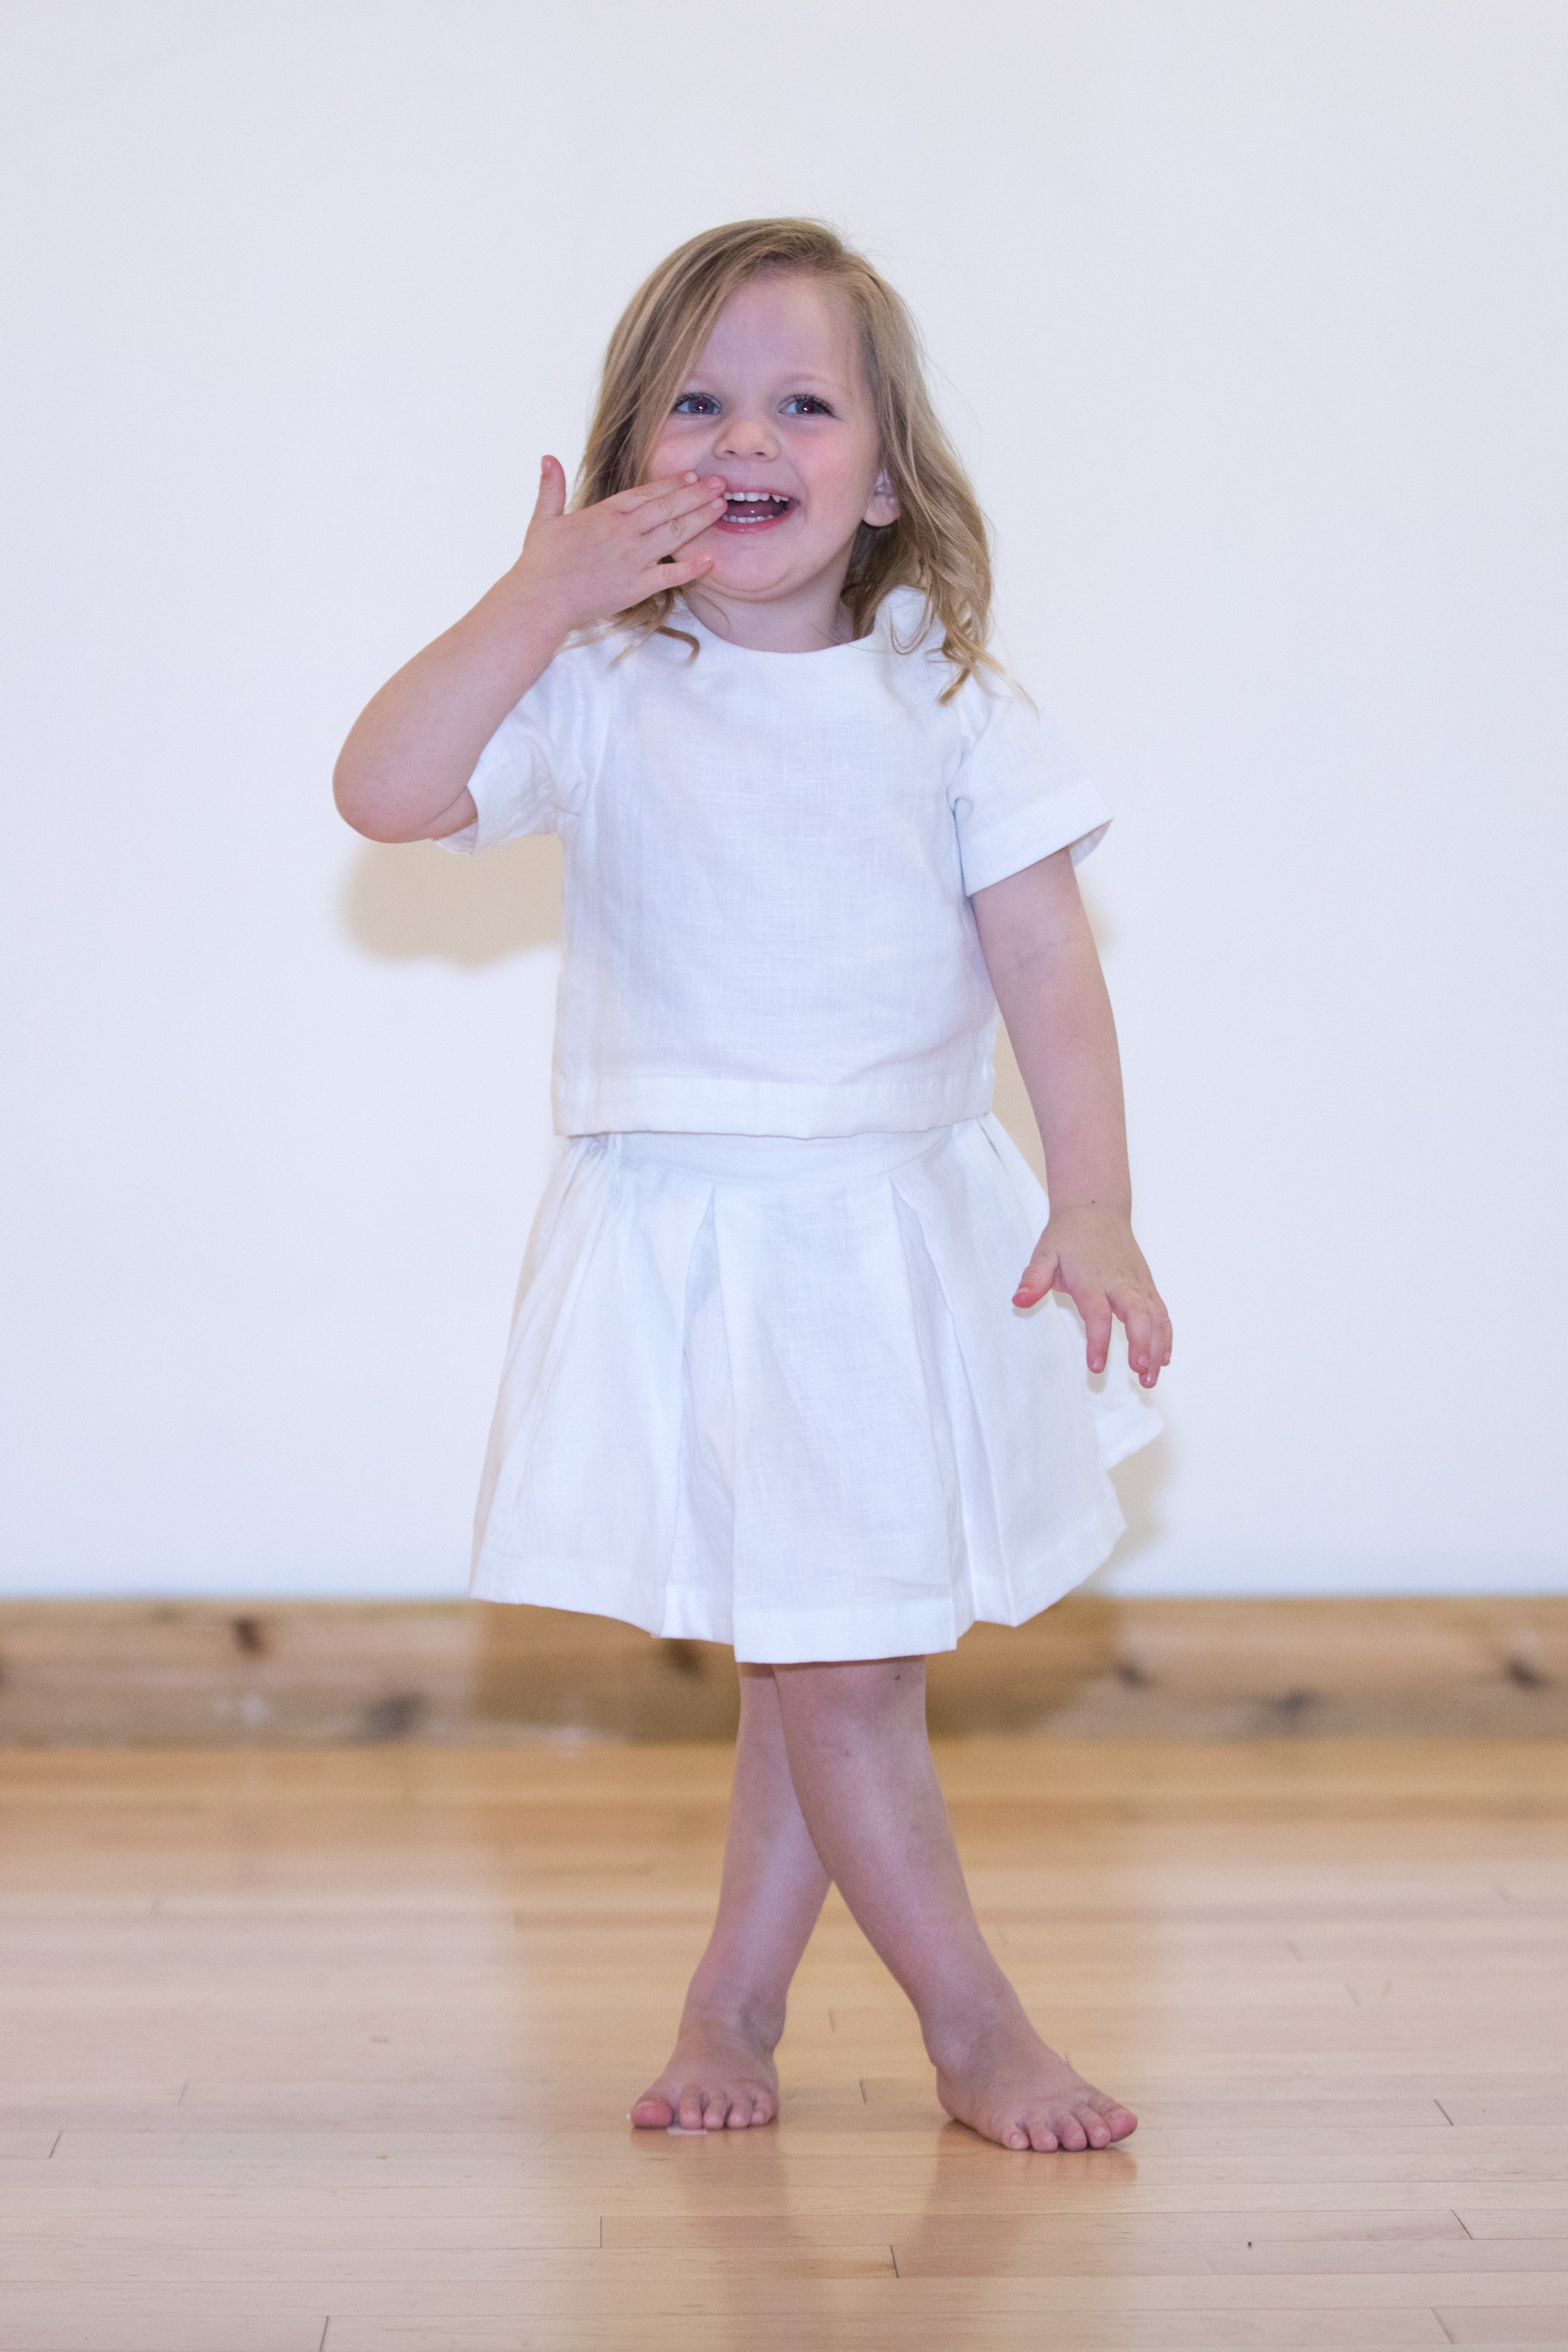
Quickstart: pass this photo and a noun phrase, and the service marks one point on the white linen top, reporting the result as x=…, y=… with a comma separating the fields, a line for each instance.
x=768, y=862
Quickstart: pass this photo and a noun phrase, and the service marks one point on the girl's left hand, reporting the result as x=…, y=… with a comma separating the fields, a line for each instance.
x=1091, y=1255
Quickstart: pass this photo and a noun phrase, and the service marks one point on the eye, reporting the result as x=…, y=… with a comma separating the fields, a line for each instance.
x=696, y=404
x=806, y=404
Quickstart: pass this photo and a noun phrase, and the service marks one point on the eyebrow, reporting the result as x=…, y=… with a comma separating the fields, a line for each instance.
x=798, y=378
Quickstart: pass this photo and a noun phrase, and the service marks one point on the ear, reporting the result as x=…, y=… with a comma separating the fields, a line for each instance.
x=882, y=506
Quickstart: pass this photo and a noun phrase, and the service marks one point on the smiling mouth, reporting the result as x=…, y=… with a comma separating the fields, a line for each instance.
x=753, y=509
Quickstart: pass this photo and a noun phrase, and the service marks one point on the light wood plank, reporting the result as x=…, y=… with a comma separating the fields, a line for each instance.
x=1505, y=2330
x=349, y=2039
x=72, y=2322
x=906, y=2326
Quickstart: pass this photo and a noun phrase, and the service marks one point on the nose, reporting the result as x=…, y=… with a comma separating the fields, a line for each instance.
x=746, y=436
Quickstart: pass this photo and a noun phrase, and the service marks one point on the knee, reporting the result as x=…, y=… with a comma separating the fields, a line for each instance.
x=857, y=1689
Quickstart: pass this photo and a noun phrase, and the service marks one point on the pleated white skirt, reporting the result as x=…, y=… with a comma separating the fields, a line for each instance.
x=773, y=1391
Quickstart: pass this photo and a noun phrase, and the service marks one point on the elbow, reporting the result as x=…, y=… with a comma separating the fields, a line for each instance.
x=348, y=801
x=355, y=802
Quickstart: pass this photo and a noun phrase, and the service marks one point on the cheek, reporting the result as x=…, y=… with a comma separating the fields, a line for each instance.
x=677, y=448
x=836, y=486
x=838, y=472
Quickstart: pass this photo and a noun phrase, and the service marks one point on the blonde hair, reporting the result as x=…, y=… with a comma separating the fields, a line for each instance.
x=939, y=543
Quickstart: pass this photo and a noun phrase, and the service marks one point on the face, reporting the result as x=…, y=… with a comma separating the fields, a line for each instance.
x=777, y=403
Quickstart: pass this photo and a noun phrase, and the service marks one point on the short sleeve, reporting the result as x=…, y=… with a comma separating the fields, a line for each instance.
x=1018, y=794
x=524, y=778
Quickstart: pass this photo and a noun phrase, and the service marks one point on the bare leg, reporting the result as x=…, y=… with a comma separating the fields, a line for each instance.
x=721, y=2070
x=862, y=1771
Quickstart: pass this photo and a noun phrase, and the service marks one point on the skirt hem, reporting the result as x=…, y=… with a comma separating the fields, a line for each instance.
x=782, y=1637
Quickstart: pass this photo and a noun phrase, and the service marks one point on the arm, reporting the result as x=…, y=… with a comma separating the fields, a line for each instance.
x=402, y=774
x=1044, y=969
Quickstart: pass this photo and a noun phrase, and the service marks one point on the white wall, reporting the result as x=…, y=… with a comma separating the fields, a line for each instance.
x=1251, y=321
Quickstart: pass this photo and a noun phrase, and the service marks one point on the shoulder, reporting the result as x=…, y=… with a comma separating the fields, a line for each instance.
x=580, y=688
x=612, y=661
x=987, y=702
x=991, y=703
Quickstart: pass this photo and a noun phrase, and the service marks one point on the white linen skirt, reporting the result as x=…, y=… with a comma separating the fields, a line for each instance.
x=773, y=1391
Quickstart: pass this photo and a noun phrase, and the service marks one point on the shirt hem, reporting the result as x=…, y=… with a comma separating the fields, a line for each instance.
x=707, y=1106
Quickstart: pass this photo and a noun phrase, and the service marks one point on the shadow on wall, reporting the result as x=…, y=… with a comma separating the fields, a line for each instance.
x=1140, y=1481
x=414, y=899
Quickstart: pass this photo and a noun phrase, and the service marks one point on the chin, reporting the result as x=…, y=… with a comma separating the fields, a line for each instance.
x=748, y=568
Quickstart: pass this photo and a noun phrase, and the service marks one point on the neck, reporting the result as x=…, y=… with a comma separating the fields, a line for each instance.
x=803, y=621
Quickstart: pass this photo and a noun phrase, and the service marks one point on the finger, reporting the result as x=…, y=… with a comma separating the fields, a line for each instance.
x=1140, y=1325
x=676, y=573
x=652, y=501
x=1159, y=1345
x=693, y=505
x=680, y=529
x=628, y=501
x=1037, y=1278
x=1095, y=1309
x=552, y=498
x=1148, y=1332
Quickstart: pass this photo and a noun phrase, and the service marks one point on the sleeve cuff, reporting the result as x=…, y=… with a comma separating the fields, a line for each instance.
x=1078, y=821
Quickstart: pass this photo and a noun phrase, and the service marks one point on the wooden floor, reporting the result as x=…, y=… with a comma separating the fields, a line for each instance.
x=306, y=2050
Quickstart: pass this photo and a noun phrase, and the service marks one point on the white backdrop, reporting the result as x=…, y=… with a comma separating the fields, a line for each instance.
x=1251, y=321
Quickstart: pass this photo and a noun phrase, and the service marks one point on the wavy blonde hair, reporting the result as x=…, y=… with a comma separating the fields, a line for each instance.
x=939, y=544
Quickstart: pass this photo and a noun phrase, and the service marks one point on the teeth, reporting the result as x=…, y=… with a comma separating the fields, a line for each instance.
x=751, y=497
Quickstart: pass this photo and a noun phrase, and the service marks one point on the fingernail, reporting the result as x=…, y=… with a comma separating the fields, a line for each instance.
x=688, y=477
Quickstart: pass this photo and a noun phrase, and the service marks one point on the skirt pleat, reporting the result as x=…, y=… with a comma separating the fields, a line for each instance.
x=773, y=1391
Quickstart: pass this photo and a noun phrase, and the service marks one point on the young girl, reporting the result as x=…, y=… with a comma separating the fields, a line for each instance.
x=773, y=1379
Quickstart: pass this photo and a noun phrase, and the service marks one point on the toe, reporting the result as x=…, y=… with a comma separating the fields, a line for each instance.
x=1096, y=2131
x=690, y=2110
x=653, y=2112
x=1071, y=2134
x=1042, y=2139
x=715, y=2111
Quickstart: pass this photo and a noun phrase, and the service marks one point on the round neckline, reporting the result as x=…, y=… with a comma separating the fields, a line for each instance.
x=877, y=635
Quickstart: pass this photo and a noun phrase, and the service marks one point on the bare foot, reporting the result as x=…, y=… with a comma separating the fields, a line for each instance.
x=721, y=2076
x=1008, y=2085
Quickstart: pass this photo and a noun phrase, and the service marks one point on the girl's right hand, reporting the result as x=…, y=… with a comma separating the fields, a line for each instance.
x=588, y=566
